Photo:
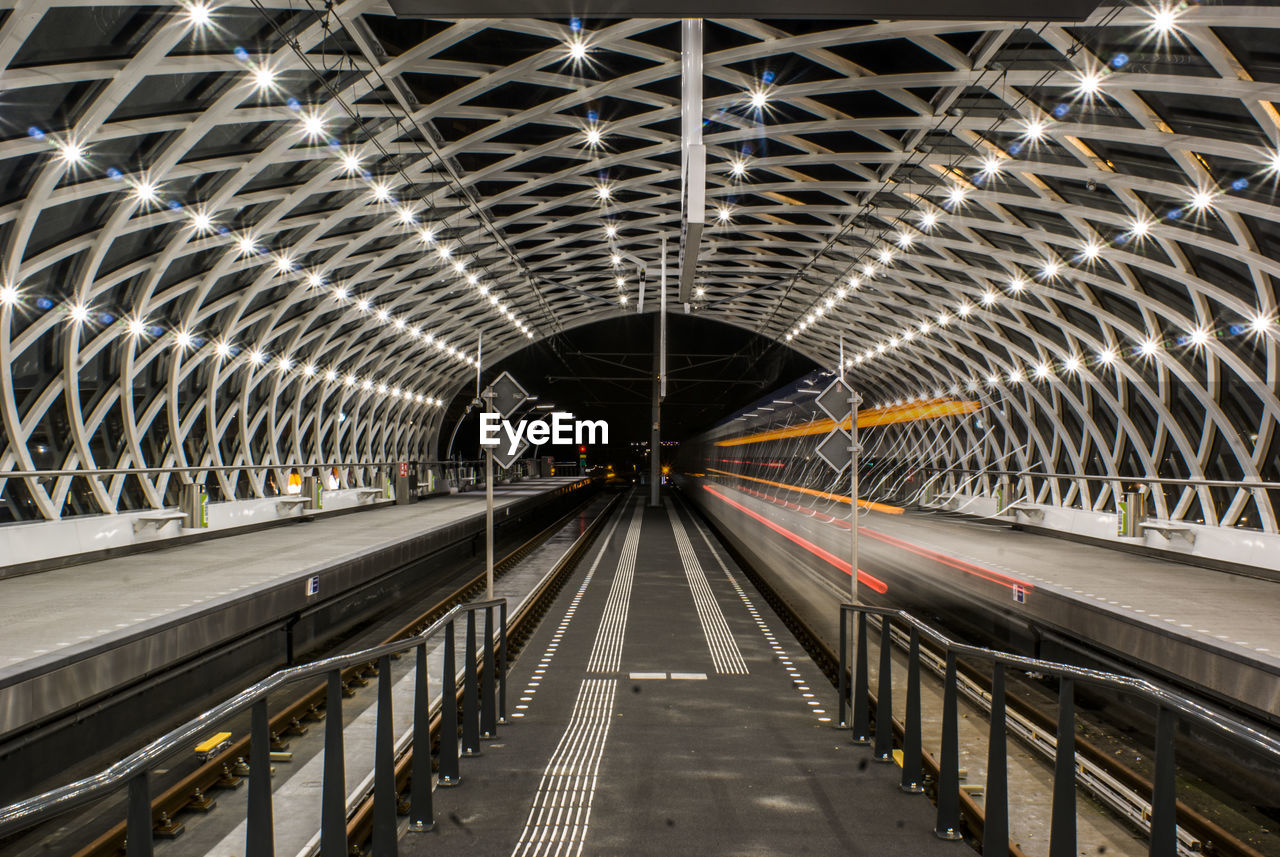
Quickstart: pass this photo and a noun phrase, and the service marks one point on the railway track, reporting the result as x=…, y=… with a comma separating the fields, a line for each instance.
x=1122, y=788
x=226, y=769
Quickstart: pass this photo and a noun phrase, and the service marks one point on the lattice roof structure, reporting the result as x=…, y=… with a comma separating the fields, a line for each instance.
x=270, y=233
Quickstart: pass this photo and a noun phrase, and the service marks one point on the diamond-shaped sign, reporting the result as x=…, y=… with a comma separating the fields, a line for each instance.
x=835, y=400
x=505, y=395
x=835, y=449
x=502, y=459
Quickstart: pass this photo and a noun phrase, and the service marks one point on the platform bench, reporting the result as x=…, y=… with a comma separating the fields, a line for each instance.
x=1031, y=510
x=156, y=520
x=1168, y=529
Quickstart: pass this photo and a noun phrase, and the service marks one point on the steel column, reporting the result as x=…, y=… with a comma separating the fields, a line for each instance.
x=995, y=825
x=489, y=697
x=1164, y=792
x=861, y=717
x=1062, y=831
x=139, y=841
x=384, y=768
x=884, y=696
x=470, y=693
x=333, y=786
x=449, y=774
x=912, y=761
x=948, y=826
x=421, y=812
x=259, y=828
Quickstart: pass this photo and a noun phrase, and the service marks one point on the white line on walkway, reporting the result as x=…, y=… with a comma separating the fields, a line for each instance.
x=606, y=653
x=796, y=680
x=557, y=823
x=725, y=654
x=553, y=646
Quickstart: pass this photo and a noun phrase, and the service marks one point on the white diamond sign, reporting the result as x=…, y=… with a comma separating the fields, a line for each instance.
x=505, y=395
x=835, y=449
x=503, y=458
x=834, y=400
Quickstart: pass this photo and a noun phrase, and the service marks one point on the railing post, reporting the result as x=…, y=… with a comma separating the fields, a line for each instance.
x=449, y=775
x=884, y=696
x=259, y=828
x=333, y=796
x=502, y=664
x=995, y=826
x=1062, y=830
x=842, y=678
x=138, y=841
x=1164, y=792
x=912, y=761
x=488, y=683
x=384, y=768
x=422, y=815
x=948, y=826
x=470, y=693
x=861, y=717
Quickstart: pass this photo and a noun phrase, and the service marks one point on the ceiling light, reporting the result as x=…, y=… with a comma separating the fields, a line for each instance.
x=576, y=46
x=1042, y=371
x=144, y=192
x=616, y=260
x=283, y=263
x=905, y=240
x=700, y=292
x=350, y=161
x=263, y=77
x=309, y=370
x=738, y=167
x=70, y=152
x=989, y=298
x=944, y=319
x=1017, y=283
x=610, y=231
x=759, y=98
x=593, y=136
x=382, y=315
x=1140, y=227
x=964, y=309
x=222, y=348
x=78, y=313
x=1107, y=356
x=1015, y=376
x=1034, y=129
x=724, y=214
x=991, y=166
x=246, y=245
x=405, y=215
x=928, y=220
x=1089, y=83
x=256, y=357
x=1201, y=200
x=284, y=363
x=1050, y=269
x=1149, y=347
x=313, y=123
x=381, y=191
x=197, y=14
x=427, y=235
x=1091, y=251
x=1260, y=324
x=1199, y=336
x=1164, y=20
x=136, y=327
x=8, y=294
x=201, y=221
x=956, y=194
x=886, y=256
x=604, y=192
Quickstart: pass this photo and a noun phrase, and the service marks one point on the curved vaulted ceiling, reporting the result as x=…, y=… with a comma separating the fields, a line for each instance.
x=273, y=233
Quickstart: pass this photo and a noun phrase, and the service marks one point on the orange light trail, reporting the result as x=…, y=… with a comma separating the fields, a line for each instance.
x=813, y=492
x=874, y=417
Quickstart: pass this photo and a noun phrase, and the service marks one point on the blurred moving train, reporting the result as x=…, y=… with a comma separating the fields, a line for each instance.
x=760, y=479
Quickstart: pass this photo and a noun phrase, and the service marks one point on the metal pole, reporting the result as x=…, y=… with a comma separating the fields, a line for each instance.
x=854, y=401
x=861, y=718
x=333, y=799
x=655, y=413
x=502, y=663
x=995, y=830
x=912, y=762
x=259, y=830
x=449, y=775
x=384, y=768
x=842, y=677
x=948, y=826
x=422, y=815
x=470, y=693
x=884, y=697
x=1062, y=826
x=488, y=520
x=488, y=695
x=138, y=834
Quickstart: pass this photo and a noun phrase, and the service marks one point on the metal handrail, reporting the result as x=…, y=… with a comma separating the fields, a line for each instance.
x=1168, y=704
x=1150, y=690
x=1089, y=477
x=65, y=798
x=221, y=468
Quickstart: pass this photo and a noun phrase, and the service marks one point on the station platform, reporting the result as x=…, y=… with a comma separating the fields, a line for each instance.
x=1212, y=630
x=73, y=635
x=666, y=711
